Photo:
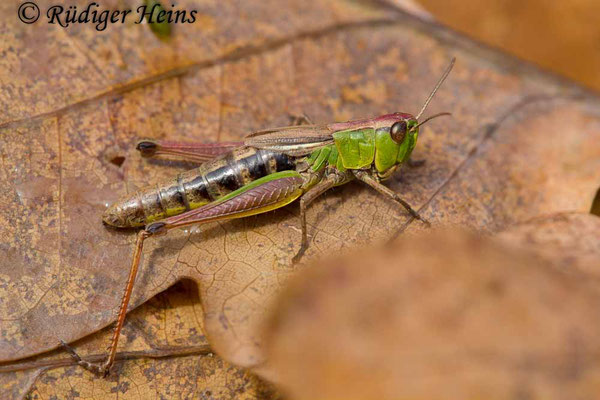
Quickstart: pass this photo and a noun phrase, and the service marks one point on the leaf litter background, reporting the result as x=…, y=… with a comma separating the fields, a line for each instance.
x=520, y=144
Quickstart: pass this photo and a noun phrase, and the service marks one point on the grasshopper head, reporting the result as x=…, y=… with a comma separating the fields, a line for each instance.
x=395, y=138
x=404, y=133
x=407, y=130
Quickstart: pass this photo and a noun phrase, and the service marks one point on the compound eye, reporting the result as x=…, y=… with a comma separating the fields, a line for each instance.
x=398, y=131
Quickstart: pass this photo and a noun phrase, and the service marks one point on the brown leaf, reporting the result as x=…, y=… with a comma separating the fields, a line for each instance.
x=189, y=377
x=67, y=151
x=527, y=166
x=570, y=241
x=164, y=352
x=61, y=132
x=476, y=317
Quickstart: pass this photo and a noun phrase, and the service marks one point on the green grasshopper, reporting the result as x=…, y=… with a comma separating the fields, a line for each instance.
x=266, y=171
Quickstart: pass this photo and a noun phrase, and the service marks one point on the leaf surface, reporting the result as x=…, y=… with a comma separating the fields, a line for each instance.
x=520, y=143
x=163, y=352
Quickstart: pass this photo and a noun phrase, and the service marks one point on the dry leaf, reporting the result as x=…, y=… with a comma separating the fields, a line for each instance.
x=67, y=150
x=526, y=167
x=64, y=136
x=476, y=318
x=163, y=353
x=569, y=241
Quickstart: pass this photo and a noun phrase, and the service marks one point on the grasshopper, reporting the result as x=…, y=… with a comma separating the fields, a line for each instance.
x=267, y=170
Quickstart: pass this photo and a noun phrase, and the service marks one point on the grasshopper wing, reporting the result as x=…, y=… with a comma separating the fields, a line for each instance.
x=190, y=151
x=291, y=140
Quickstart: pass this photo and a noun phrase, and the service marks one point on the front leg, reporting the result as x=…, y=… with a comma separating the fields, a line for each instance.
x=367, y=178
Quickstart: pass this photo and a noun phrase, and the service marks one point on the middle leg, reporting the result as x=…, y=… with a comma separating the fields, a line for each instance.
x=327, y=183
x=332, y=178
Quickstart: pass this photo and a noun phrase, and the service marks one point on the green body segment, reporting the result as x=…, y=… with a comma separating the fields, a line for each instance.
x=356, y=147
x=361, y=148
x=319, y=158
x=325, y=156
x=335, y=160
x=386, y=154
x=409, y=144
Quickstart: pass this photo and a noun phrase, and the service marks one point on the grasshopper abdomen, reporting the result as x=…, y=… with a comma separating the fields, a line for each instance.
x=197, y=187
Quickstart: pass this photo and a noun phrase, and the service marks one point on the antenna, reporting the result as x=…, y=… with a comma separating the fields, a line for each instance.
x=430, y=118
x=437, y=86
